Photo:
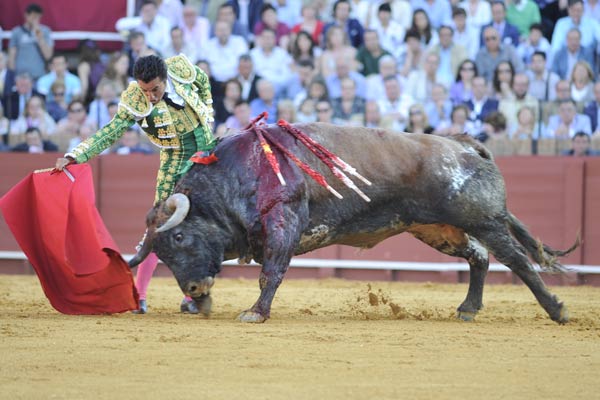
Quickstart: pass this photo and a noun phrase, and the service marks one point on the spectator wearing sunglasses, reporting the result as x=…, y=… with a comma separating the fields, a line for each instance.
x=493, y=53
x=57, y=107
x=324, y=111
x=73, y=121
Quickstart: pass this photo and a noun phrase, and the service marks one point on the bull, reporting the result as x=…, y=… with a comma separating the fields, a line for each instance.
x=446, y=192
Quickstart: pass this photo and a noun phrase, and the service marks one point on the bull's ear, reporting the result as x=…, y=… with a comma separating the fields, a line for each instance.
x=151, y=215
x=187, y=191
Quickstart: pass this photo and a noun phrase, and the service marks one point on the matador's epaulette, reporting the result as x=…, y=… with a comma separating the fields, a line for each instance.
x=181, y=69
x=134, y=101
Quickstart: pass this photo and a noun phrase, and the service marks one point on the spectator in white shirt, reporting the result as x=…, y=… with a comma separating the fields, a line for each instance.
x=542, y=83
x=154, y=27
x=465, y=33
x=272, y=61
x=196, y=30
x=395, y=105
x=567, y=122
x=420, y=82
x=459, y=123
x=288, y=11
x=390, y=32
x=58, y=71
x=223, y=52
x=172, y=10
x=438, y=107
x=178, y=45
x=587, y=26
x=107, y=93
x=520, y=98
x=535, y=42
x=402, y=12
x=374, y=84
x=592, y=9
x=479, y=12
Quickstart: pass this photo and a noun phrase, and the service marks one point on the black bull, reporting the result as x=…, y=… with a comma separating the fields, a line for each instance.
x=447, y=192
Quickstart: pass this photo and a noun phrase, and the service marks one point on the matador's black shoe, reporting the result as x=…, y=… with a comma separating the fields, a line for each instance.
x=143, y=308
x=189, y=306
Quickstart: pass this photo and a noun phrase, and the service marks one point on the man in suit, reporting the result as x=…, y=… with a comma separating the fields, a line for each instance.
x=509, y=33
x=247, y=77
x=247, y=13
x=480, y=105
x=15, y=99
x=566, y=57
x=451, y=55
x=34, y=143
x=7, y=76
x=342, y=18
x=593, y=108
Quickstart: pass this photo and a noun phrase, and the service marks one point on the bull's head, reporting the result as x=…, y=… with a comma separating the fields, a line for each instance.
x=191, y=245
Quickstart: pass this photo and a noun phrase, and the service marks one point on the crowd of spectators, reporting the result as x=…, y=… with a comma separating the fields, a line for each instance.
x=519, y=75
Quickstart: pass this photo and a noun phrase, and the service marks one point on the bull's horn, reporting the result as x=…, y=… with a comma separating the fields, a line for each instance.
x=144, y=250
x=180, y=205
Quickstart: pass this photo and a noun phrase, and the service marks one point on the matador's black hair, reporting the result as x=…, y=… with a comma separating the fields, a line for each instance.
x=147, y=68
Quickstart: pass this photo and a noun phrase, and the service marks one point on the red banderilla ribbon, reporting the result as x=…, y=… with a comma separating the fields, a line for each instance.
x=265, y=146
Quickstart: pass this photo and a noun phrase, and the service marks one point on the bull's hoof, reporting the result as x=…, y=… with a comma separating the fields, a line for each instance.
x=204, y=304
x=466, y=315
x=251, y=316
x=563, y=315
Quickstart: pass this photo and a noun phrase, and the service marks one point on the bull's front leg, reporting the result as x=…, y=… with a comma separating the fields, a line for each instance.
x=282, y=234
x=271, y=277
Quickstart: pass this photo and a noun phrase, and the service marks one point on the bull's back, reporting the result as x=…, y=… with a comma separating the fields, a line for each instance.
x=416, y=179
x=391, y=161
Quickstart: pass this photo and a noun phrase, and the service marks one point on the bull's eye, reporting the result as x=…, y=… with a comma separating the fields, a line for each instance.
x=178, y=237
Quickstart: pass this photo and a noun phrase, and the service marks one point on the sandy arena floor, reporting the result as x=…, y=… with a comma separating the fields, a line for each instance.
x=328, y=339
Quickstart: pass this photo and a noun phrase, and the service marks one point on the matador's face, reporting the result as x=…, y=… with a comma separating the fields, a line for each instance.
x=153, y=90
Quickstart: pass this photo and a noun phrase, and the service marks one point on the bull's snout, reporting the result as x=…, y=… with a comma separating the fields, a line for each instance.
x=197, y=288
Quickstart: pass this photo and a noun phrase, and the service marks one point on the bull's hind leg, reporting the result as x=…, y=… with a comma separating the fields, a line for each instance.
x=509, y=252
x=454, y=242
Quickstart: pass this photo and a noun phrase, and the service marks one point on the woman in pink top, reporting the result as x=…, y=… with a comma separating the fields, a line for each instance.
x=268, y=19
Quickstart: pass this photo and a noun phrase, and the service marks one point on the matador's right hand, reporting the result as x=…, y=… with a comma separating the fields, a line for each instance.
x=61, y=163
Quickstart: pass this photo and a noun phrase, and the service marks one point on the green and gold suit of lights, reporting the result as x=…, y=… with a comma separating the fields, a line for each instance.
x=178, y=133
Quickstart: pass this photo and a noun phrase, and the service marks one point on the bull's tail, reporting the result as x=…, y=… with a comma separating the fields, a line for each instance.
x=544, y=255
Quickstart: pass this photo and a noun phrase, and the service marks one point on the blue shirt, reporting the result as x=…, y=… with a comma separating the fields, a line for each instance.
x=444, y=73
x=258, y=105
x=439, y=12
x=580, y=122
x=334, y=86
x=589, y=28
x=72, y=86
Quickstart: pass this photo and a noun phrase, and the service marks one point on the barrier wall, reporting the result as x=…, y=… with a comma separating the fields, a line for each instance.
x=556, y=197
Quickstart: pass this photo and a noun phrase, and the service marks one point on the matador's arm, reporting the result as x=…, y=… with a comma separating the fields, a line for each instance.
x=104, y=138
